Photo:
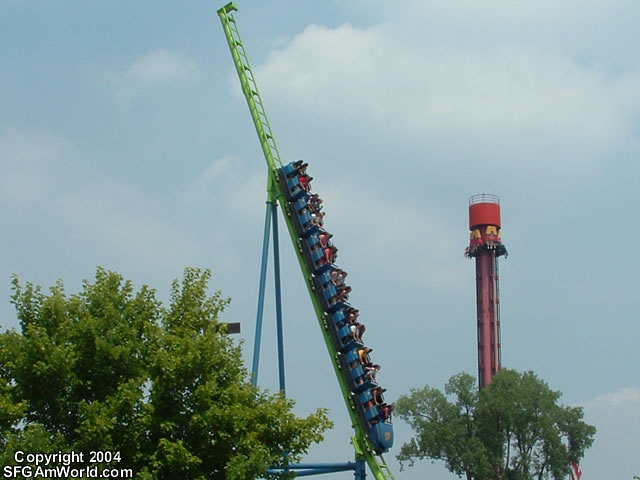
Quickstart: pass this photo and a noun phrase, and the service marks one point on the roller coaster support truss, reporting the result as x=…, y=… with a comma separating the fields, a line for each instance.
x=271, y=220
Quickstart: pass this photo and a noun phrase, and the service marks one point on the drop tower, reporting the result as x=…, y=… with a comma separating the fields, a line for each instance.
x=485, y=245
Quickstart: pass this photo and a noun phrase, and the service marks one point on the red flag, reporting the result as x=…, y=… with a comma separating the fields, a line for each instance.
x=575, y=471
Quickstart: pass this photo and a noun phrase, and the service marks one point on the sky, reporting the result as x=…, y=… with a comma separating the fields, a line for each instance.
x=125, y=143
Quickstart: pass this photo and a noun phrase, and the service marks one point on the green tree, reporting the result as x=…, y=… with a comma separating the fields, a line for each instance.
x=512, y=429
x=113, y=369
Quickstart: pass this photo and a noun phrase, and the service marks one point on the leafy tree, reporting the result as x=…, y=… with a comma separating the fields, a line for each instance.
x=512, y=429
x=112, y=369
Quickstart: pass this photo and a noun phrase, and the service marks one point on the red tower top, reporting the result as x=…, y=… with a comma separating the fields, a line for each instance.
x=484, y=223
x=484, y=209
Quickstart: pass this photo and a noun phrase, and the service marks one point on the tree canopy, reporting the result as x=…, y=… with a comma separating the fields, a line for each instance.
x=113, y=369
x=512, y=429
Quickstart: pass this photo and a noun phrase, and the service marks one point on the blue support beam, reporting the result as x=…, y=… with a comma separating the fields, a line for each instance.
x=308, y=473
x=341, y=465
x=261, y=288
x=308, y=469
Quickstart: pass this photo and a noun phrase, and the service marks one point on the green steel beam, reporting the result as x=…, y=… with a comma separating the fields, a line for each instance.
x=361, y=443
x=249, y=87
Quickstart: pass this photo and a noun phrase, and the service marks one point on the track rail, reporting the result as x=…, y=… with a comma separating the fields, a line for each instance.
x=363, y=447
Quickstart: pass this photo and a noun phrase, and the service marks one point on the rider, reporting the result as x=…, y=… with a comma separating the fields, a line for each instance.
x=338, y=276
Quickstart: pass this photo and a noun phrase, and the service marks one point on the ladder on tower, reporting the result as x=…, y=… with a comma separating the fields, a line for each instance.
x=249, y=87
x=376, y=463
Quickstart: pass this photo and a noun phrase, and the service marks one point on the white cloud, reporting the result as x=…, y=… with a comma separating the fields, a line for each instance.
x=126, y=224
x=153, y=69
x=413, y=244
x=28, y=160
x=617, y=417
x=312, y=67
x=498, y=96
x=121, y=225
x=226, y=183
x=44, y=181
x=572, y=23
x=625, y=397
x=161, y=66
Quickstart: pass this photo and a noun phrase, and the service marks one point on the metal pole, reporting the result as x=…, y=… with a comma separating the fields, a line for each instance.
x=276, y=272
x=360, y=472
x=261, y=288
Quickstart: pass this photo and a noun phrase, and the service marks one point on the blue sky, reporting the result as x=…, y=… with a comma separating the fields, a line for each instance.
x=125, y=143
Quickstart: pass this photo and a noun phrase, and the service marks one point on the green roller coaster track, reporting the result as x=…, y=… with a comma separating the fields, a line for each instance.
x=361, y=443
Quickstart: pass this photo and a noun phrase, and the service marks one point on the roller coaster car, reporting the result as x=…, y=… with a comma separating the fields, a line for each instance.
x=311, y=251
x=302, y=218
x=365, y=407
x=323, y=280
x=290, y=185
x=381, y=434
x=312, y=242
x=289, y=178
x=350, y=358
x=354, y=373
x=301, y=222
x=338, y=318
x=363, y=399
x=314, y=254
x=340, y=333
x=326, y=293
x=289, y=170
x=365, y=410
x=344, y=341
x=308, y=201
x=300, y=204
